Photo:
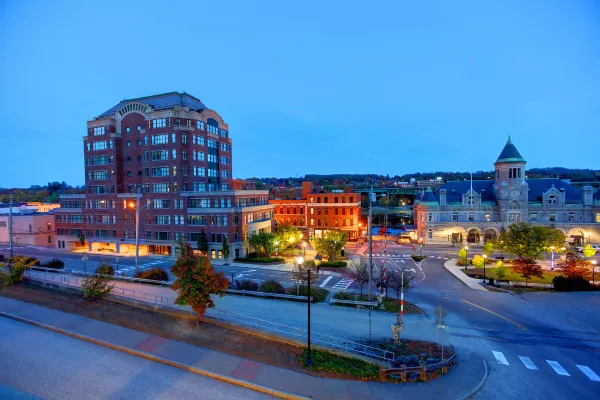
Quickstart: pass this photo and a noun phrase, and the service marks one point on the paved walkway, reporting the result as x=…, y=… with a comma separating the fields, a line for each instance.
x=460, y=380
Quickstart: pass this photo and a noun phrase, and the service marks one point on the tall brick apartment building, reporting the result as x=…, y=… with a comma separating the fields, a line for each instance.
x=316, y=213
x=181, y=152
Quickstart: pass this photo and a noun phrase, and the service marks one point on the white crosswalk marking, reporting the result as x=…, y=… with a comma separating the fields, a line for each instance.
x=343, y=284
x=558, y=368
x=589, y=373
x=528, y=363
x=500, y=357
x=325, y=281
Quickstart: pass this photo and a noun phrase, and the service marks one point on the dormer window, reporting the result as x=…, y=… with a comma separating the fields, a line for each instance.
x=552, y=199
x=470, y=201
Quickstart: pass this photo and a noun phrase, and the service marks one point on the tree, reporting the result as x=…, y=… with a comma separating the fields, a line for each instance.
x=196, y=281
x=330, y=244
x=95, y=287
x=13, y=271
x=225, y=248
x=488, y=248
x=81, y=239
x=575, y=267
x=500, y=271
x=359, y=273
x=529, y=241
x=288, y=236
x=202, y=244
x=478, y=261
x=263, y=243
x=105, y=269
x=396, y=283
x=300, y=272
x=527, y=268
x=384, y=201
x=588, y=251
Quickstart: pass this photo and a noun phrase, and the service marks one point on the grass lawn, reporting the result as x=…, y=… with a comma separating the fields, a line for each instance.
x=510, y=275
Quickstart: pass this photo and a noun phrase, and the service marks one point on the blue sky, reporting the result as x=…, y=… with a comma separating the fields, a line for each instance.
x=309, y=87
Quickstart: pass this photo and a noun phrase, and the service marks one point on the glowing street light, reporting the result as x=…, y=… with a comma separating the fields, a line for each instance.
x=552, y=249
x=485, y=256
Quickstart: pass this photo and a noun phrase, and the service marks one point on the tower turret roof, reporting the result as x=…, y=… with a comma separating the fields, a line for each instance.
x=509, y=154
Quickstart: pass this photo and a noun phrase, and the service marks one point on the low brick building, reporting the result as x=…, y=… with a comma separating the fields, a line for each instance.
x=318, y=212
x=32, y=229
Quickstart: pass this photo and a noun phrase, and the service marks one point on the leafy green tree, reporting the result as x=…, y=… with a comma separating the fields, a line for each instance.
x=462, y=253
x=527, y=268
x=225, y=249
x=331, y=244
x=488, y=248
x=12, y=272
x=478, y=261
x=105, y=269
x=500, y=271
x=263, y=243
x=529, y=241
x=196, y=281
x=588, y=251
x=384, y=201
x=288, y=236
x=96, y=287
x=202, y=244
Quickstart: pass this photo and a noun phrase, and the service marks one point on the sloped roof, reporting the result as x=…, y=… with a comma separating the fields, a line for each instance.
x=161, y=101
x=538, y=186
x=509, y=153
x=454, y=190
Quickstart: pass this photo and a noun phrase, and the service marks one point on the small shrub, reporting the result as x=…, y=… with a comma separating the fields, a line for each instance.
x=477, y=261
x=330, y=362
x=31, y=261
x=105, y=269
x=13, y=273
x=246, y=284
x=271, y=286
x=333, y=264
x=343, y=296
x=463, y=263
x=253, y=255
x=54, y=263
x=570, y=284
x=500, y=271
x=155, y=274
x=95, y=287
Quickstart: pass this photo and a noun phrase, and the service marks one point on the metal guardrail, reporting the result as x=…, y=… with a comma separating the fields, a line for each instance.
x=297, y=335
x=266, y=294
x=354, y=302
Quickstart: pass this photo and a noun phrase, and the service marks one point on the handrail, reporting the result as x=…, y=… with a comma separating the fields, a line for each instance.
x=298, y=335
x=333, y=300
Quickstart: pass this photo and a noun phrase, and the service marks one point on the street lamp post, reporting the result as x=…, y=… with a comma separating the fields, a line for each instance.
x=421, y=247
x=485, y=256
x=300, y=261
x=139, y=188
x=466, y=257
x=593, y=272
x=552, y=249
x=304, y=249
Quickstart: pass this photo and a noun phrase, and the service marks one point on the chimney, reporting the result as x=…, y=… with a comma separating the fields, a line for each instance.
x=443, y=197
x=588, y=195
x=307, y=188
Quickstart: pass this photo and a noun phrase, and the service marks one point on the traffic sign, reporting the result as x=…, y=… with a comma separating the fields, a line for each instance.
x=84, y=258
x=443, y=326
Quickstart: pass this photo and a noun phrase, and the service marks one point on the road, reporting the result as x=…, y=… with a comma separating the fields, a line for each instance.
x=54, y=366
x=538, y=345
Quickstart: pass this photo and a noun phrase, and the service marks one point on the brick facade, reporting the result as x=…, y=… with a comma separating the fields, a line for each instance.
x=181, y=153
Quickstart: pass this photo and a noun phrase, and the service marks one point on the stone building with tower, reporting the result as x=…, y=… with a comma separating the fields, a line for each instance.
x=476, y=211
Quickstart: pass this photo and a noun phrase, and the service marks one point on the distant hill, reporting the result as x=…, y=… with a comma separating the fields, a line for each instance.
x=45, y=194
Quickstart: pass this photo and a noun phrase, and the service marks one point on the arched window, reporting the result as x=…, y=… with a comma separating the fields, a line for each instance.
x=288, y=210
x=301, y=210
x=430, y=234
x=553, y=199
x=212, y=126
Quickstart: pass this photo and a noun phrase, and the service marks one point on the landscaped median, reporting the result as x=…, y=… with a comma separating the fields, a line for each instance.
x=388, y=304
x=275, y=290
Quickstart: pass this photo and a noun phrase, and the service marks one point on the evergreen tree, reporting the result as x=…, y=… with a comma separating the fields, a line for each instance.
x=202, y=244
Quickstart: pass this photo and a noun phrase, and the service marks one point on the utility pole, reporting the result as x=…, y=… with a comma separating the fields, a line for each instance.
x=10, y=225
x=370, y=252
x=137, y=223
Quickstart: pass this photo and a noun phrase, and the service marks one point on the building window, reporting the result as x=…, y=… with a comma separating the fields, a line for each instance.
x=487, y=217
x=173, y=137
x=127, y=143
x=471, y=217
x=160, y=139
x=455, y=217
x=571, y=217
x=533, y=217
x=160, y=171
x=552, y=217
x=597, y=217
x=98, y=146
x=184, y=137
x=552, y=199
x=173, y=154
x=429, y=217
x=429, y=234
x=160, y=155
x=514, y=217
x=160, y=187
x=159, y=123
x=200, y=125
x=100, y=130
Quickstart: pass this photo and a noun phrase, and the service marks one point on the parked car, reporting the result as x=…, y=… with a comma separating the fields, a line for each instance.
x=596, y=247
x=578, y=249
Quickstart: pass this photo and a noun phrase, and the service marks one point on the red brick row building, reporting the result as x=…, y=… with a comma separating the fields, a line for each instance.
x=180, y=153
x=316, y=213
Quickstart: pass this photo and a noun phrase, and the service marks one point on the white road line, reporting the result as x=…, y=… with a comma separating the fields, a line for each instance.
x=589, y=373
x=500, y=357
x=343, y=284
x=528, y=363
x=558, y=368
x=325, y=281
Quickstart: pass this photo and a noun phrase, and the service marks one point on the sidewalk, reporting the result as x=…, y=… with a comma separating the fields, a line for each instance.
x=460, y=380
x=473, y=283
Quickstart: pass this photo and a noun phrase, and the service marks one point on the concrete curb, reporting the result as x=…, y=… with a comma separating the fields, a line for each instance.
x=189, y=368
x=473, y=283
x=477, y=388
